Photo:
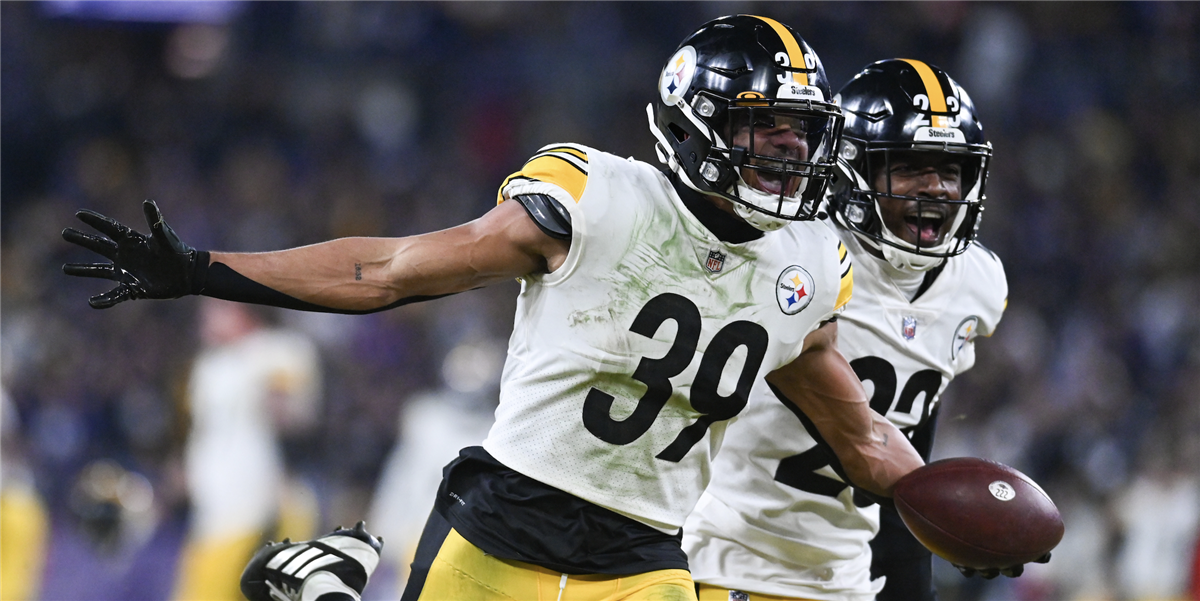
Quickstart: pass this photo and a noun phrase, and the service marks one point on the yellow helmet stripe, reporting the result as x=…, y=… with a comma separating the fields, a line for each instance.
x=795, y=53
x=933, y=89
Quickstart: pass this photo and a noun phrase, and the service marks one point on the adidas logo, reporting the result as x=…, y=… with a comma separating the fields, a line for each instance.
x=339, y=562
x=303, y=559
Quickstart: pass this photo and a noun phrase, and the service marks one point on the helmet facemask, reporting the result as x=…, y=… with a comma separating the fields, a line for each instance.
x=789, y=188
x=787, y=182
x=942, y=227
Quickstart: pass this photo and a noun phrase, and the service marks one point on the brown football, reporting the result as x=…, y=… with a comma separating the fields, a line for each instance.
x=978, y=513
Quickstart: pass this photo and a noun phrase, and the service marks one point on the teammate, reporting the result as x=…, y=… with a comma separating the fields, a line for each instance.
x=254, y=388
x=651, y=303
x=779, y=518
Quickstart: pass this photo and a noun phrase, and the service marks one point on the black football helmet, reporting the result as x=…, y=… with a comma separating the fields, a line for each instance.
x=906, y=105
x=732, y=72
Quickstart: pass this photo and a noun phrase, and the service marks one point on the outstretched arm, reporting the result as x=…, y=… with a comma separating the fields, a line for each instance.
x=872, y=451
x=352, y=275
x=365, y=273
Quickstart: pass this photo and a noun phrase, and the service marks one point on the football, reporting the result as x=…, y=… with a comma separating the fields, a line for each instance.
x=978, y=513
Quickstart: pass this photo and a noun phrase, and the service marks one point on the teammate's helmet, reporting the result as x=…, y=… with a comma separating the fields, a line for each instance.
x=907, y=105
x=741, y=70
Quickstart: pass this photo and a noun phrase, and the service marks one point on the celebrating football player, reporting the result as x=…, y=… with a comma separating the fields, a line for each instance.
x=652, y=301
x=780, y=518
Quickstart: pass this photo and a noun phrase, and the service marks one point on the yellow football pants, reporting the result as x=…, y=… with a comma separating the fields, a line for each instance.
x=709, y=592
x=463, y=571
x=24, y=530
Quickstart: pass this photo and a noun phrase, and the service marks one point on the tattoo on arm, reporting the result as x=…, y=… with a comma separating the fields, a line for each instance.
x=358, y=271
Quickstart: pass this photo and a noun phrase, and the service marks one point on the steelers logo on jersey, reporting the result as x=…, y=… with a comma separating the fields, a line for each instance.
x=963, y=334
x=794, y=289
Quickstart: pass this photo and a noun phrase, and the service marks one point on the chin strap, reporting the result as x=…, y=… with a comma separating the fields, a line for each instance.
x=903, y=259
x=900, y=259
x=758, y=219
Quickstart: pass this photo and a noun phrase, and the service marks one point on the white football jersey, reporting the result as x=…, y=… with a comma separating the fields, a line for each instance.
x=777, y=519
x=234, y=465
x=626, y=363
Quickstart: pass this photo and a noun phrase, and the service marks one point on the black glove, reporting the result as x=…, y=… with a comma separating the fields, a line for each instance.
x=1011, y=572
x=158, y=266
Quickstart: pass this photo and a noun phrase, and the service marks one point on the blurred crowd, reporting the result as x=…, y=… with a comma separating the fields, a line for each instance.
x=258, y=126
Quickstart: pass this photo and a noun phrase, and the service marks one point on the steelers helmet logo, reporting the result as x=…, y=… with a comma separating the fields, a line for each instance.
x=677, y=76
x=794, y=289
x=963, y=334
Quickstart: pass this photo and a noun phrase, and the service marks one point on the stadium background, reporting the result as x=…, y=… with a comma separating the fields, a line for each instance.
x=264, y=125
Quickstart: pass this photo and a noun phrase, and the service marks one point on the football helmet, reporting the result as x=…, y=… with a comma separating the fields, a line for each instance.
x=902, y=105
x=733, y=72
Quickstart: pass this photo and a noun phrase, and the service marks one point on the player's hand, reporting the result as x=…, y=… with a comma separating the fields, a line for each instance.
x=1011, y=572
x=156, y=266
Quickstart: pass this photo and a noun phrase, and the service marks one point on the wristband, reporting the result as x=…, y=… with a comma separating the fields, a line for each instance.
x=199, y=274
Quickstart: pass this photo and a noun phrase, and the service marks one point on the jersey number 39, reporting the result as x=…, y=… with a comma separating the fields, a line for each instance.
x=656, y=374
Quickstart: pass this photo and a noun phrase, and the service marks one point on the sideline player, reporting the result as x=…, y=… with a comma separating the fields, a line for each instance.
x=254, y=391
x=779, y=518
x=651, y=303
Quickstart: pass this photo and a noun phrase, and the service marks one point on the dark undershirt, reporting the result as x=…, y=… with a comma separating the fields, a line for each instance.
x=726, y=227
x=512, y=516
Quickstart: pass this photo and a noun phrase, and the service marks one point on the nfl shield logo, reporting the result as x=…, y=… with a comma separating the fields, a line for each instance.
x=716, y=260
x=910, y=327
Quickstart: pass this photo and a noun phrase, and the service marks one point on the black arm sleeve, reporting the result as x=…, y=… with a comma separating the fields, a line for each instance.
x=895, y=553
x=220, y=281
x=907, y=564
x=549, y=215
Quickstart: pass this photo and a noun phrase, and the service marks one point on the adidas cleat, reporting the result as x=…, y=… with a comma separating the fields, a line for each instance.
x=334, y=567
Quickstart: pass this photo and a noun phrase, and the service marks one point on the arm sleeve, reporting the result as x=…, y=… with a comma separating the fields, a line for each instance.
x=906, y=563
x=218, y=280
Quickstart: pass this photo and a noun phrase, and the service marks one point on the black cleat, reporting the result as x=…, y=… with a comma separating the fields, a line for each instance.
x=333, y=567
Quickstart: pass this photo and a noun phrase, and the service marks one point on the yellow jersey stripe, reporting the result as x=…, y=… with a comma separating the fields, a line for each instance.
x=504, y=184
x=1002, y=310
x=846, y=289
x=550, y=167
x=567, y=149
x=795, y=54
x=555, y=170
x=933, y=89
x=841, y=252
x=552, y=170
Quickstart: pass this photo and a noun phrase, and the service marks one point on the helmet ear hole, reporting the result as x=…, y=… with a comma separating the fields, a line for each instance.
x=678, y=133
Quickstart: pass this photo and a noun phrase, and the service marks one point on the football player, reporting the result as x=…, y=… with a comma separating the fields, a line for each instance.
x=652, y=301
x=780, y=518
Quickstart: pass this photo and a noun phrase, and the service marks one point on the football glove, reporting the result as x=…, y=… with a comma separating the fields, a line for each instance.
x=156, y=266
x=334, y=567
x=1011, y=572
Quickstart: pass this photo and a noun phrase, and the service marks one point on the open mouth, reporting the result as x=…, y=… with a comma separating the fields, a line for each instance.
x=926, y=226
x=771, y=183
